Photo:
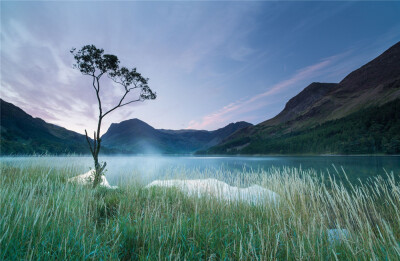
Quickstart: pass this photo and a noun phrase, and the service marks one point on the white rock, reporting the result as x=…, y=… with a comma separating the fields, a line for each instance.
x=199, y=187
x=88, y=177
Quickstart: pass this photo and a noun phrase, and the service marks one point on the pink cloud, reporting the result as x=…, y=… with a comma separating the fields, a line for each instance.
x=230, y=111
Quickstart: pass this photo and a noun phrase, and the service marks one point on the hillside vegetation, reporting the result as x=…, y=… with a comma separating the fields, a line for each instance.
x=135, y=136
x=22, y=134
x=372, y=130
x=355, y=116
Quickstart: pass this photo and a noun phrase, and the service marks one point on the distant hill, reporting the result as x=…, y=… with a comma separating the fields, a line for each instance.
x=22, y=134
x=136, y=136
x=321, y=106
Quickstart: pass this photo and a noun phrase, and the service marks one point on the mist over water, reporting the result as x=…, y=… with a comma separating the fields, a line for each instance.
x=149, y=168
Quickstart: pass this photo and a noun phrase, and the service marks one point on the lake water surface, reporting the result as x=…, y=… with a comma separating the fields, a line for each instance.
x=154, y=167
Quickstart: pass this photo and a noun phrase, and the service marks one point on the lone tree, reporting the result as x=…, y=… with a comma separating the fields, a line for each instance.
x=93, y=62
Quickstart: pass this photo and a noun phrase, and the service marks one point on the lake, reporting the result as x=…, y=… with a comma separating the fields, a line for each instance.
x=149, y=168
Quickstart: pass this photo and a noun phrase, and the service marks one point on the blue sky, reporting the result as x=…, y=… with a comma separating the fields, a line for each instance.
x=211, y=63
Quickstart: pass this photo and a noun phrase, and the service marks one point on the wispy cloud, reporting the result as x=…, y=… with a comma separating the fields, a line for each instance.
x=233, y=110
x=194, y=54
x=37, y=72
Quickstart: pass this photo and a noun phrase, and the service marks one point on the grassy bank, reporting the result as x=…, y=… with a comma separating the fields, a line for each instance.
x=45, y=217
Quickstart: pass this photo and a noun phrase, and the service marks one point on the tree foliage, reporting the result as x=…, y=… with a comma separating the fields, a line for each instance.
x=93, y=62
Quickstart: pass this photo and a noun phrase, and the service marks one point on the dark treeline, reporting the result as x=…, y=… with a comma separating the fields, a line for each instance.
x=13, y=146
x=375, y=130
x=369, y=131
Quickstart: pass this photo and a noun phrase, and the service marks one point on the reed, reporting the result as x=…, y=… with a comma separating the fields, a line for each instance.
x=45, y=217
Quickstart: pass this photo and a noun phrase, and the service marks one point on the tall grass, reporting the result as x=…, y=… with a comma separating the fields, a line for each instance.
x=45, y=217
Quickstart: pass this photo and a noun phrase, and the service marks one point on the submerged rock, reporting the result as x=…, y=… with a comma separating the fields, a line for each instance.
x=254, y=194
x=88, y=177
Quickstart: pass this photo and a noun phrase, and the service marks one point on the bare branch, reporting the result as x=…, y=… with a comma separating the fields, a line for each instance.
x=98, y=99
x=99, y=76
x=90, y=145
x=118, y=105
x=139, y=99
x=124, y=83
x=116, y=81
x=103, y=167
x=94, y=86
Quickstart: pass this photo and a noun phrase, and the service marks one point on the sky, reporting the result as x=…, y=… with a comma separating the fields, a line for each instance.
x=210, y=63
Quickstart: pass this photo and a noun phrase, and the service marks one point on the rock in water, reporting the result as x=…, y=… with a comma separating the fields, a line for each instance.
x=88, y=177
x=254, y=194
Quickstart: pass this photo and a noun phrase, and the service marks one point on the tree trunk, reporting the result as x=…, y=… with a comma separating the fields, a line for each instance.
x=98, y=168
x=97, y=173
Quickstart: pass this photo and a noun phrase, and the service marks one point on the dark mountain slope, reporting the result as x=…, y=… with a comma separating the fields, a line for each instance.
x=22, y=134
x=303, y=103
x=373, y=84
x=370, y=86
x=136, y=136
x=368, y=131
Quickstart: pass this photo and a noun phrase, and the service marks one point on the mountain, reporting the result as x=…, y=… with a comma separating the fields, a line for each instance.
x=321, y=106
x=136, y=136
x=22, y=134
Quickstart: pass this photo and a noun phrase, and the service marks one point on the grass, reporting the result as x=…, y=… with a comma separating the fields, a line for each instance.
x=45, y=217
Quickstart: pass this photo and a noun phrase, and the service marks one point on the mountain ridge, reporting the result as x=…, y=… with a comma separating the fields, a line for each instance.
x=23, y=134
x=128, y=135
x=372, y=85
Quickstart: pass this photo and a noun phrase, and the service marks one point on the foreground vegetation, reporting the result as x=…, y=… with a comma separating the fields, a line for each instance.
x=45, y=217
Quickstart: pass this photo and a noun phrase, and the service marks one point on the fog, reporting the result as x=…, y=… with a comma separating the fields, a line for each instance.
x=148, y=168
